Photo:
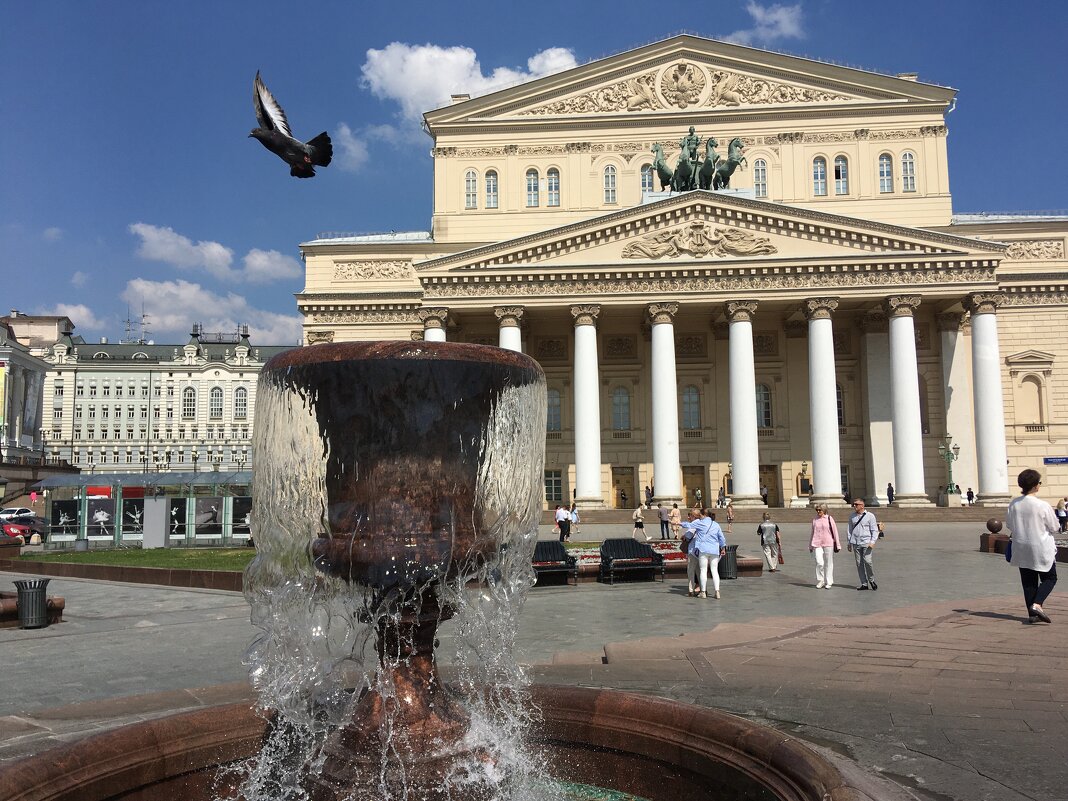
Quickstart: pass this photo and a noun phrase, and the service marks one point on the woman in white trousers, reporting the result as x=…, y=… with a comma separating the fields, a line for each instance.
x=823, y=545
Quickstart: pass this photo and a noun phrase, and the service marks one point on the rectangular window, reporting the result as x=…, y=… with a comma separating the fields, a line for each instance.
x=79, y=391
x=554, y=187
x=107, y=392
x=532, y=189
x=92, y=391
x=105, y=412
x=57, y=414
x=144, y=392
x=92, y=412
x=78, y=412
x=554, y=486
x=491, y=190
x=144, y=412
x=58, y=392
x=908, y=173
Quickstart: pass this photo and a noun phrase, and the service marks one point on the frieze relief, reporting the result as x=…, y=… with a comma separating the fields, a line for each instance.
x=683, y=84
x=1036, y=250
x=691, y=346
x=317, y=337
x=620, y=347
x=365, y=316
x=550, y=348
x=765, y=343
x=700, y=240
x=364, y=270
x=726, y=283
x=735, y=89
x=1035, y=297
x=632, y=94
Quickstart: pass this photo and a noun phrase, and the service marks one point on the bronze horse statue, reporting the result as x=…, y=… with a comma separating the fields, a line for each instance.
x=708, y=167
x=721, y=179
x=663, y=171
x=683, y=178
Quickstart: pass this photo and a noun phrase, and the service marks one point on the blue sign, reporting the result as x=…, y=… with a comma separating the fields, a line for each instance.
x=1055, y=460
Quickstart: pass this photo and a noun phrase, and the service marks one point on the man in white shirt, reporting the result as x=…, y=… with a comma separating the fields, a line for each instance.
x=863, y=535
x=563, y=522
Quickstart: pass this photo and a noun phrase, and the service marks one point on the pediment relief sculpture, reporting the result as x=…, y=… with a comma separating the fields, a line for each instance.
x=1036, y=250
x=699, y=240
x=364, y=270
x=681, y=85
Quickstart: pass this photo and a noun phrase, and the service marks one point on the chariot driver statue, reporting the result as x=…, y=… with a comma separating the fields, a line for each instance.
x=690, y=145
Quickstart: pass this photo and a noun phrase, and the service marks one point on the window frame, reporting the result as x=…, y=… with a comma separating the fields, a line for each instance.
x=554, y=418
x=760, y=178
x=470, y=190
x=621, y=412
x=819, y=176
x=764, y=409
x=690, y=398
x=492, y=184
x=189, y=403
x=908, y=171
x=215, y=403
x=885, y=169
x=533, y=180
x=552, y=187
x=608, y=183
x=841, y=174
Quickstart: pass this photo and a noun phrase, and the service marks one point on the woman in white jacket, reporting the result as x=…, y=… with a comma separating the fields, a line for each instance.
x=1034, y=551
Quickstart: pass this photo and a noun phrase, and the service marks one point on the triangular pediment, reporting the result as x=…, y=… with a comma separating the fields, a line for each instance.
x=1030, y=359
x=702, y=229
x=689, y=74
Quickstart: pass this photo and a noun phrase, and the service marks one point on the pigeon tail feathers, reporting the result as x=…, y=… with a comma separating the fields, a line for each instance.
x=322, y=150
x=302, y=171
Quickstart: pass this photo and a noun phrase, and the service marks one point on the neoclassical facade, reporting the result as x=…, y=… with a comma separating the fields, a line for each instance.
x=820, y=327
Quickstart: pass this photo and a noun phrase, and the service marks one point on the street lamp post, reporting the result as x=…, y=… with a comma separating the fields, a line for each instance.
x=195, y=456
x=949, y=453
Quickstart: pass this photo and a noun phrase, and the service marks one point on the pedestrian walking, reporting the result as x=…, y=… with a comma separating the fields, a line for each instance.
x=890, y=493
x=563, y=522
x=1034, y=549
x=675, y=518
x=697, y=497
x=639, y=524
x=648, y=497
x=863, y=535
x=823, y=546
x=574, y=518
x=971, y=497
x=730, y=517
x=769, y=542
x=706, y=546
x=1062, y=513
x=764, y=493
x=664, y=514
x=721, y=498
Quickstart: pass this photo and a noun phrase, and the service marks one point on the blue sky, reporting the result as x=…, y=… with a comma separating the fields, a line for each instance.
x=129, y=178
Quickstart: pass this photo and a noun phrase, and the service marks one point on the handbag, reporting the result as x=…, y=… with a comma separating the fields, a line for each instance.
x=1008, y=551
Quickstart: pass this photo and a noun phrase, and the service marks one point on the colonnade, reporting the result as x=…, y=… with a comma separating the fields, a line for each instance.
x=892, y=336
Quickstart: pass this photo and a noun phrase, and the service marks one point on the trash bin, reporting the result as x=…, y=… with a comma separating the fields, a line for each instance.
x=32, y=603
x=728, y=563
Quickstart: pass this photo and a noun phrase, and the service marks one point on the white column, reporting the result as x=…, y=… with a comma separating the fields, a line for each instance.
x=509, y=331
x=879, y=439
x=588, y=492
x=823, y=403
x=434, y=321
x=957, y=390
x=667, y=467
x=990, y=452
x=905, y=403
x=745, y=452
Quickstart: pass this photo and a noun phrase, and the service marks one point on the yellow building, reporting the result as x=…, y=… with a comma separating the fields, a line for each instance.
x=818, y=327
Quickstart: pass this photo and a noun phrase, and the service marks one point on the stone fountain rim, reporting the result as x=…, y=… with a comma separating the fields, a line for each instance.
x=382, y=350
x=105, y=765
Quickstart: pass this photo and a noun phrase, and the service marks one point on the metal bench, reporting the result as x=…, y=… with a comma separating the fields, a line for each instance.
x=550, y=556
x=627, y=555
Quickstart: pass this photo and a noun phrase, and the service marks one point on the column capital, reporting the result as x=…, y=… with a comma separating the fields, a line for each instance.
x=901, y=305
x=874, y=322
x=509, y=316
x=417, y=336
x=586, y=314
x=662, y=312
x=951, y=321
x=820, y=308
x=984, y=302
x=434, y=316
x=741, y=311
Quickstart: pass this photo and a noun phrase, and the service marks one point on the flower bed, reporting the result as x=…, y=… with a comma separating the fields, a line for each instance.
x=589, y=559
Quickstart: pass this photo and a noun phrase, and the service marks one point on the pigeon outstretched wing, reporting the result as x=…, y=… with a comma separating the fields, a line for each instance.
x=269, y=114
x=273, y=134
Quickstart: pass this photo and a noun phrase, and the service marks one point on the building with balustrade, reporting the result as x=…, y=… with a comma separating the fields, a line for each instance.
x=823, y=325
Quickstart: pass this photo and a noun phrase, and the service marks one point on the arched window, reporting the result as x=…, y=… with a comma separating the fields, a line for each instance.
x=647, y=178
x=470, y=190
x=610, y=184
x=553, y=420
x=215, y=403
x=620, y=409
x=839, y=395
x=886, y=173
x=240, y=403
x=760, y=178
x=819, y=176
x=763, y=406
x=532, y=189
x=908, y=172
x=552, y=180
x=491, y=189
x=189, y=403
x=691, y=408
x=841, y=175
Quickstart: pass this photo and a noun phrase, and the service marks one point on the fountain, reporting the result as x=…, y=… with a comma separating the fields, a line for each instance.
x=398, y=485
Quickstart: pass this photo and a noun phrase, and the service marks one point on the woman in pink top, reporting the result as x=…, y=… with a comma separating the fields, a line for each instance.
x=823, y=546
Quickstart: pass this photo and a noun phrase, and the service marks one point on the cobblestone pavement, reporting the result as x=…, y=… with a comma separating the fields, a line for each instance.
x=932, y=681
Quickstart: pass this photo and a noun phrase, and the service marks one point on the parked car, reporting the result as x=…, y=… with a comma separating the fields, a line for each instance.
x=14, y=532
x=14, y=512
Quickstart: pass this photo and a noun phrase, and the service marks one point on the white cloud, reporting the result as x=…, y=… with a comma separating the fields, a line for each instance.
x=770, y=24
x=422, y=77
x=80, y=314
x=262, y=266
x=79, y=278
x=350, y=149
x=166, y=245
x=52, y=234
x=173, y=306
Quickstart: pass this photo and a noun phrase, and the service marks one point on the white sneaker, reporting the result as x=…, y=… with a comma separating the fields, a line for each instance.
x=702, y=595
x=819, y=585
x=717, y=594
x=829, y=586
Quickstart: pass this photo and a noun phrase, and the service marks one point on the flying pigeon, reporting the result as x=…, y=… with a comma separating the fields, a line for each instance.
x=274, y=135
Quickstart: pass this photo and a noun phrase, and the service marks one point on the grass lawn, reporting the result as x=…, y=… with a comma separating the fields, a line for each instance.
x=232, y=559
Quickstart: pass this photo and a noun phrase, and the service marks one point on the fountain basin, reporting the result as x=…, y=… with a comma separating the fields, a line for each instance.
x=650, y=747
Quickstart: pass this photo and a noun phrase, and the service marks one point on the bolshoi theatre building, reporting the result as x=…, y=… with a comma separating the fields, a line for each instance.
x=815, y=323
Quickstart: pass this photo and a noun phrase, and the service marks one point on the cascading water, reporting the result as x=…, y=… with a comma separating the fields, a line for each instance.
x=396, y=485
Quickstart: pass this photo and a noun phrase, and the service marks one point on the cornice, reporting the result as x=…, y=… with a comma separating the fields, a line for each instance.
x=785, y=220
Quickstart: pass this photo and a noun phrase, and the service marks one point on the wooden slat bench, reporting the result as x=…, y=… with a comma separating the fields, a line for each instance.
x=550, y=556
x=628, y=555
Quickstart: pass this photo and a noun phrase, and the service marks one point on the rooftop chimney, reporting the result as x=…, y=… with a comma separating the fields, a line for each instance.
x=460, y=98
